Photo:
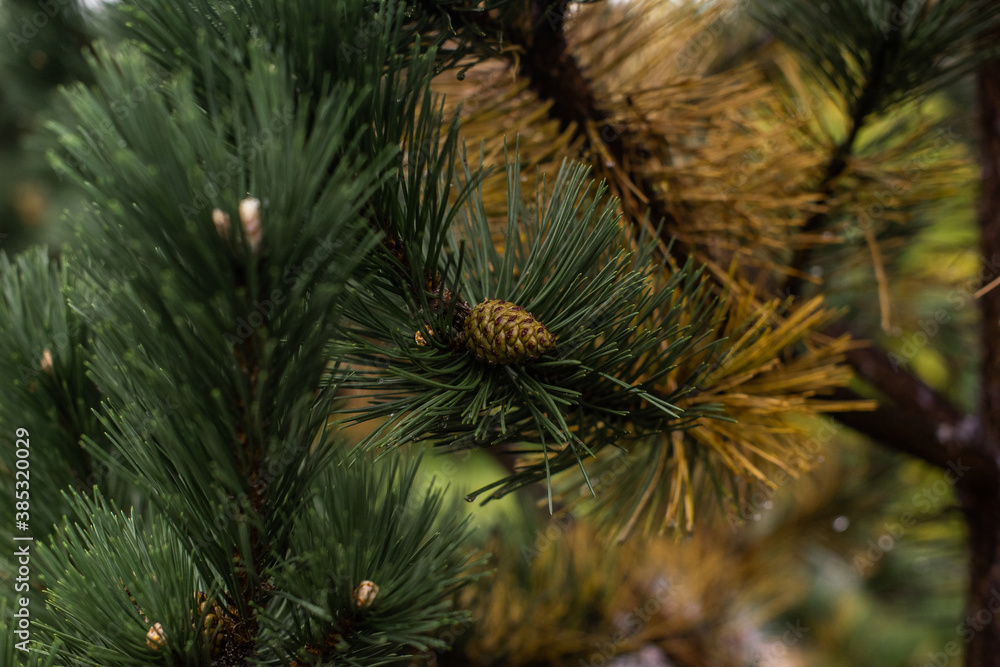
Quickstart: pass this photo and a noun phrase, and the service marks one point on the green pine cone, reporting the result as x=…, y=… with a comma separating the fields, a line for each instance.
x=501, y=332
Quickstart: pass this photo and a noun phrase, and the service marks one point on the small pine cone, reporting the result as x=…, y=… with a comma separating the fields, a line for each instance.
x=500, y=332
x=215, y=621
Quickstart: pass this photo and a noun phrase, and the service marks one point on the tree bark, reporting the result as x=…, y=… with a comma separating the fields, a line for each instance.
x=980, y=629
x=980, y=498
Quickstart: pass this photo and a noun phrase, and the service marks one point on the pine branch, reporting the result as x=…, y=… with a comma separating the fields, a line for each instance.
x=838, y=163
x=46, y=351
x=616, y=337
x=989, y=242
x=981, y=498
x=544, y=58
x=896, y=45
x=388, y=526
x=624, y=351
x=877, y=56
x=181, y=253
x=911, y=417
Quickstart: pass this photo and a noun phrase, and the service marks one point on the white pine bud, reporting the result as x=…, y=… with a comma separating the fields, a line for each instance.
x=221, y=220
x=250, y=217
x=46, y=362
x=365, y=593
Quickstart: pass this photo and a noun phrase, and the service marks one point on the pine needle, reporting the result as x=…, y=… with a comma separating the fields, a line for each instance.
x=988, y=287
x=883, y=283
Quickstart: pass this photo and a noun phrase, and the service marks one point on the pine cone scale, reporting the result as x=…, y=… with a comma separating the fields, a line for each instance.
x=500, y=332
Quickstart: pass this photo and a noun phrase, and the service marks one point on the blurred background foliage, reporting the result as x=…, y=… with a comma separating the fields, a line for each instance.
x=860, y=562
x=42, y=48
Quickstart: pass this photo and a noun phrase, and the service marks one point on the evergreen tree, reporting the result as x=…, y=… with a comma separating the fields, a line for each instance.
x=578, y=239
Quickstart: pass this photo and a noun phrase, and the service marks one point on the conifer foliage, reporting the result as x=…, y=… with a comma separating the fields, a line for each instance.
x=294, y=231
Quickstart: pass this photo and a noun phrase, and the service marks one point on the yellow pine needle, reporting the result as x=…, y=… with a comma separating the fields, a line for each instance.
x=880, y=279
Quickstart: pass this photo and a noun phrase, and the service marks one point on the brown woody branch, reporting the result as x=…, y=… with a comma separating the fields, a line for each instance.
x=554, y=74
x=981, y=501
x=865, y=105
x=912, y=417
x=989, y=223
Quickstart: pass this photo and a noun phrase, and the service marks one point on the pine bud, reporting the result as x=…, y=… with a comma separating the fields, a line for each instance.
x=156, y=638
x=365, y=593
x=221, y=220
x=500, y=332
x=250, y=218
x=46, y=362
x=419, y=337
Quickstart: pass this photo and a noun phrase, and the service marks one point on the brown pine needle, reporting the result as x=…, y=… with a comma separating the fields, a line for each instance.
x=883, y=283
x=988, y=287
